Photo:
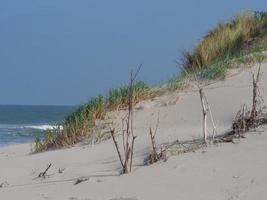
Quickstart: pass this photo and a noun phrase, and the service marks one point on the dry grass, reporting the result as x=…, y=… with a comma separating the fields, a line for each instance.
x=226, y=40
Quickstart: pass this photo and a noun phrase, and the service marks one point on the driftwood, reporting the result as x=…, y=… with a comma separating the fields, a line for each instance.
x=43, y=174
x=80, y=180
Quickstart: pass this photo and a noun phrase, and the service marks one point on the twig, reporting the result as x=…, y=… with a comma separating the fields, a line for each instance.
x=211, y=117
x=153, y=143
x=80, y=180
x=128, y=137
x=132, y=150
x=155, y=156
x=204, y=111
x=123, y=134
x=116, y=145
x=43, y=174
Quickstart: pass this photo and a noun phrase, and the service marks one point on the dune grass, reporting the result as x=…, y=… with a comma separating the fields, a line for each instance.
x=226, y=40
x=179, y=82
x=79, y=124
x=242, y=40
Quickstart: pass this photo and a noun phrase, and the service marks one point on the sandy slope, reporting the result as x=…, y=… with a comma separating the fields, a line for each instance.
x=225, y=171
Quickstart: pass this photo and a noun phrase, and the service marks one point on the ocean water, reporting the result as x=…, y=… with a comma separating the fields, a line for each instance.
x=22, y=124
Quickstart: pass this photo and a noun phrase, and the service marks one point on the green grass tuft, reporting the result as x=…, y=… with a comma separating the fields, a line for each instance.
x=217, y=70
x=79, y=124
x=179, y=82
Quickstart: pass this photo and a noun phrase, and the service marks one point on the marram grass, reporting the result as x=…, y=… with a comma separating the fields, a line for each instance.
x=79, y=124
x=226, y=40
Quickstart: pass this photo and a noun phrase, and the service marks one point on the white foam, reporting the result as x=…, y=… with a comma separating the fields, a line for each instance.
x=43, y=127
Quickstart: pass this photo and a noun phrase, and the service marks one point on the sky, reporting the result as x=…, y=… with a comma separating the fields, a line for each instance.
x=62, y=52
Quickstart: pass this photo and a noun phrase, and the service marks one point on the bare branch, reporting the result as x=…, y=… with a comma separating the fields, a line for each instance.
x=43, y=174
x=133, y=78
x=214, y=132
x=128, y=137
x=204, y=111
x=116, y=145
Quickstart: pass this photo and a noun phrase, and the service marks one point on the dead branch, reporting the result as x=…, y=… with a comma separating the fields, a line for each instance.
x=247, y=119
x=204, y=111
x=123, y=134
x=153, y=157
x=43, y=174
x=214, y=131
x=176, y=147
x=244, y=121
x=128, y=136
x=132, y=150
x=256, y=96
x=116, y=145
x=80, y=180
x=153, y=142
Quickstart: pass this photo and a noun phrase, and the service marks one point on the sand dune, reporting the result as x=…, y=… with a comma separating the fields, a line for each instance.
x=223, y=171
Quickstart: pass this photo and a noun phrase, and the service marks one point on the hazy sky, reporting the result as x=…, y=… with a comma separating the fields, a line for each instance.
x=65, y=51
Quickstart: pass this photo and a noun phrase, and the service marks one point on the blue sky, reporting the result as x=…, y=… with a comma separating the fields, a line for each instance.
x=62, y=52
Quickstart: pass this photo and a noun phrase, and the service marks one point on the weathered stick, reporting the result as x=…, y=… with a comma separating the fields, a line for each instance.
x=128, y=137
x=211, y=117
x=123, y=135
x=204, y=111
x=255, y=102
x=132, y=150
x=153, y=156
x=80, y=180
x=153, y=142
x=116, y=145
x=127, y=156
x=43, y=174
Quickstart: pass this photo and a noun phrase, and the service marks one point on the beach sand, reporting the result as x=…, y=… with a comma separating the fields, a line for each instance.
x=221, y=172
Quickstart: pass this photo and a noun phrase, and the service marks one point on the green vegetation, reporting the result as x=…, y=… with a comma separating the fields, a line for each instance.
x=117, y=98
x=80, y=123
x=179, y=82
x=243, y=40
x=226, y=40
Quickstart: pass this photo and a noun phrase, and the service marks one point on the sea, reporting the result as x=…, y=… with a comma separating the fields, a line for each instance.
x=22, y=124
